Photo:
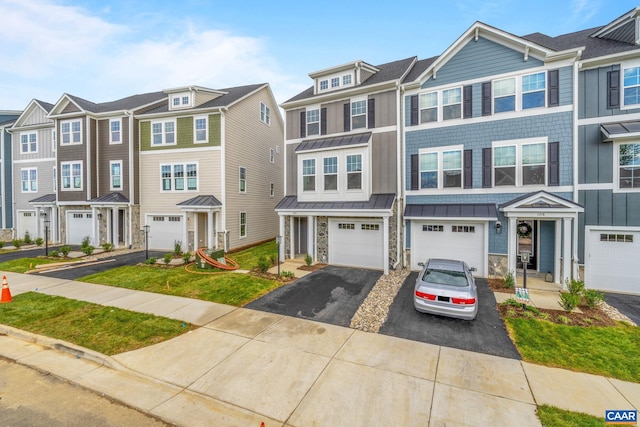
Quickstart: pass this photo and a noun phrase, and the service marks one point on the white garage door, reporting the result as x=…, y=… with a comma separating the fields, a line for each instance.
x=79, y=225
x=164, y=231
x=27, y=221
x=444, y=239
x=611, y=260
x=356, y=243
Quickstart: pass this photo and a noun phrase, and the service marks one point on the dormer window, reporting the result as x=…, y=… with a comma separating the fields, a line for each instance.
x=180, y=100
x=185, y=100
x=324, y=84
x=335, y=82
x=346, y=80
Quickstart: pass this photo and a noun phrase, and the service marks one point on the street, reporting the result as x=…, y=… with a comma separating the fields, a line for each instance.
x=31, y=398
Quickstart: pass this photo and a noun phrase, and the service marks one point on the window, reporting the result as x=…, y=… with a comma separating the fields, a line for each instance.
x=463, y=228
x=265, y=114
x=631, y=83
x=629, y=166
x=313, y=122
x=29, y=179
x=330, y=173
x=359, y=114
x=354, y=172
x=53, y=139
x=504, y=165
x=370, y=227
x=71, y=173
x=176, y=101
x=441, y=169
x=533, y=90
x=346, y=226
x=29, y=142
x=324, y=84
x=179, y=177
x=243, y=224
x=55, y=179
x=114, y=131
x=346, y=79
x=438, y=228
x=71, y=132
x=243, y=180
x=163, y=133
x=429, y=170
x=116, y=175
x=335, y=82
x=200, y=129
x=272, y=155
x=428, y=107
x=452, y=103
x=520, y=164
x=309, y=175
x=452, y=169
x=534, y=164
x=622, y=238
x=185, y=100
x=504, y=95
x=272, y=189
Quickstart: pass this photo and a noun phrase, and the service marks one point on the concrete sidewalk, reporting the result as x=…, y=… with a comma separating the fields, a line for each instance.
x=243, y=367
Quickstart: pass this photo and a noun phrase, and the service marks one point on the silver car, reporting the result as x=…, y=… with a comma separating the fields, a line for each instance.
x=447, y=288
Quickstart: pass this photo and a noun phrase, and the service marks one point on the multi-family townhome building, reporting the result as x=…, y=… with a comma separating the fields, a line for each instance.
x=7, y=118
x=97, y=175
x=211, y=167
x=34, y=172
x=342, y=180
x=490, y=154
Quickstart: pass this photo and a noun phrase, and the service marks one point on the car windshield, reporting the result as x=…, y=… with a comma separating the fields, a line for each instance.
x=445, y=277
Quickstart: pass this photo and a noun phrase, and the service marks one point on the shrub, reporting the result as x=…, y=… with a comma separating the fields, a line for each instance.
x=177, y=247
x=263, y=264
x=308, y=260
x=544, y=316
x=592, y=297
x=273, y=259
x=27, y=238
x=54, y=254
x=511, y=302
x=509, y=280
x=151, y=260
x=17, y=243
x=65, y=251
x=85, y=242
x=167, y=258
x=575, y=287
x=107, y=247
x=532, y=309
x=1, y=244
x=39, y=241
x=569, y=301
x=186, y=257
x=564, y=319
x=288, y=274
x=87, y=250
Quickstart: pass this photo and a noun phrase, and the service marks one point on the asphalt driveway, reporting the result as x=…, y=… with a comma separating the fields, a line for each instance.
x=487, y=334
x=629, y=305
x=330, y=295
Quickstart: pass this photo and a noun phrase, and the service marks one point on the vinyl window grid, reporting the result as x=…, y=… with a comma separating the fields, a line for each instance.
x=242, y=179
x=504, y=95
x=619, y=238
x=324, y=84
x=370, y=227
x=441, y=168
x=463, y=228
x=115, y=170
x=330, y=169
x=272, y=189
x=179, y=177
x=265, y=114
x=71, y=132
x=54, y=138
x=71, y=174
x=243, y=224
x=436, y=228
x=29, y=178
x=163, y=133
x=359, y=114
x=628, y=167
x=631, y=86
x=55, y=179
x=115, y=135
x=309, y=174
x=428, y=107
x=346, y=79
x=335, y=82
x=354, y=172
x=346, y=226
x=452, y=103
x=272, y=155
x=200, y=130
x=313, y=122
x=534, y=90
x=29, y=143
x=520, y=164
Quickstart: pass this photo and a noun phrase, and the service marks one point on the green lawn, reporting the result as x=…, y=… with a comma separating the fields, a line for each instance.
x=108, y=330
x=554, y=417
x=248, y=258
x=22, y=265
x=609, y=351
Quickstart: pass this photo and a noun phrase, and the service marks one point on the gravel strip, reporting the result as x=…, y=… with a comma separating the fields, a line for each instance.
x=372, y=314
x=613, y=313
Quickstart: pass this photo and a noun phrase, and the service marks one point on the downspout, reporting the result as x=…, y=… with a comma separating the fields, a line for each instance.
x=2, y=180
x=403, y=156
x=399, y=158
x=223, y=180
x=575, y=164
x=132, y=190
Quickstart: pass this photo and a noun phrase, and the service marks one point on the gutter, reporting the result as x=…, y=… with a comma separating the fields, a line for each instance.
x=132, y=192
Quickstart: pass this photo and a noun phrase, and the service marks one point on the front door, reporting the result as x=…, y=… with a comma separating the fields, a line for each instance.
x=300, y=235
x=527, y=237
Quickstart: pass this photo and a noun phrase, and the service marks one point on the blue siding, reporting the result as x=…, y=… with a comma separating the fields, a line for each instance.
x=595, y=158
x=592, y=94
x=478, y=59
x=566, y=85
x=547, y=231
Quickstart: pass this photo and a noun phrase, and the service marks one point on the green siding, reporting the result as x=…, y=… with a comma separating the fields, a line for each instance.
x=184, y=132
x=215, y=130
x=145, y=135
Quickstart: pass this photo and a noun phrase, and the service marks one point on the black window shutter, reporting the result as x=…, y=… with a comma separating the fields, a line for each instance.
x=414, y=172
x=414, y=110
x=554, y=163
x=554, y=88
x=371, y=113
x=468, y=102
x=486, y=98
x=347, y=117
x=486, y=167
x=468, y=168
x=323, y=121
x=303, y=124
x=613, y=89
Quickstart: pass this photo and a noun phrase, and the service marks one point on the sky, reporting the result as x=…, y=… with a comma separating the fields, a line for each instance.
x=106, y=50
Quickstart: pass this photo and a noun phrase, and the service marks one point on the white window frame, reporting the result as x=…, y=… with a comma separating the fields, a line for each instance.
x=163, y=126
x=314, y=111
x=324, y=84
x=355, y=172
x=616, y=168
x=180, y=100
x=242, y=180
x=272, y=155
x=112, y=187
x=513, y=94
x=29, y=145
x=335, y=82
x=314, y=162
x=71, y=132
x=173, y=178
x=195, y=130
x=112, y=132
x=451, y=103
x=265, y=114
x=272, y=189
x=242, y=223
x=336, y=173
x=519, y=166
x=524, y=92
x=360, y=113
x=347, y=80
x=72, y=176
x=31, y=181
x=55, y=179
x=440, y=168
x=426, y=99
x=54, y=139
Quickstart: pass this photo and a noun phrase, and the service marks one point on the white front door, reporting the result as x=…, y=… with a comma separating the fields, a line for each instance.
x=611, y=259
x=356, y=243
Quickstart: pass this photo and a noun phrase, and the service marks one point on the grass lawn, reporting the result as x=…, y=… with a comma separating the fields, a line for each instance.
x=248, y=258
x=551, y=416
x=108, y=330
x=22, y=265
x=609, y=351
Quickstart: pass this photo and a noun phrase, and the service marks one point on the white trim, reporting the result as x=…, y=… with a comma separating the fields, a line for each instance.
x=29, y=150
x=111, y=187
x=29, y=181
x=119, y=121
x=27, y=161
x=616, y=168
x=518, y=144
x=185, y=177
x=71, y=132
x=493, y=190
x=246, y=221
x=241, y=180
x=385, y=129
x=590, y=187
x=440, y=168
x=635, y=63
x=178, y=151
x=609, y=119
x=71, y=183
x=163, y=132
x=195, y=130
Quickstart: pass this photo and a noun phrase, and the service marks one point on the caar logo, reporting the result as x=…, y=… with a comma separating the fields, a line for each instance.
x=627, y=417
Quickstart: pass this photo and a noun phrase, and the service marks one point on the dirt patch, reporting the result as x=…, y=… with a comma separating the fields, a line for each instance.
x=313, y=267
x=587, y=317
x=270, y=276
x=497, y=285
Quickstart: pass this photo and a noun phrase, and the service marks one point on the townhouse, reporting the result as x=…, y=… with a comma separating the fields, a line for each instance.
x=7, y=118
x=342, y=181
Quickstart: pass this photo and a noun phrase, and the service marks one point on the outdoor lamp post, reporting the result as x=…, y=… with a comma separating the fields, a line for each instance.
x=46, y=237
x=146, y=241
x=278, y=241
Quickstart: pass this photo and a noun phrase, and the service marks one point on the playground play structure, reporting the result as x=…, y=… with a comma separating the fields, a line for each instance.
x=228, y=263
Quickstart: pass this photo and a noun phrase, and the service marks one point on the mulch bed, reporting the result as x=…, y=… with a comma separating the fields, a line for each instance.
x=313, y=267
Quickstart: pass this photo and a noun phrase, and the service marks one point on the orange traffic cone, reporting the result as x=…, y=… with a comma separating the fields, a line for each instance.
x=262, y=424
x=6, y=293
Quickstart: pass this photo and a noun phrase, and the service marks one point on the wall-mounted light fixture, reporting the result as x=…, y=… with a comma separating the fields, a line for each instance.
x=99, y=216
x=498, y=227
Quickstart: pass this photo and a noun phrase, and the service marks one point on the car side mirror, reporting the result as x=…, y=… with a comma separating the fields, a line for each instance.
x=473, y=269
x=421, y=264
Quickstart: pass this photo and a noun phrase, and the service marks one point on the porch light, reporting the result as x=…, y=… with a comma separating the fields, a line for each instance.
x=498, y=227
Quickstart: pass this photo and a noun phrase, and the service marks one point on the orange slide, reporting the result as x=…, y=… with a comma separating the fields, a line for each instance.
x=230, y=264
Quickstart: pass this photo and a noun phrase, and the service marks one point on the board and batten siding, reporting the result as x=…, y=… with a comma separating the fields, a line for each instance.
x=45, y=182
x=383, y=169
x=247, y=144
x=592, y=94
x=45, y=144
x=292, y=170
x=112, y=152
x=37, y=117
x=73, y=153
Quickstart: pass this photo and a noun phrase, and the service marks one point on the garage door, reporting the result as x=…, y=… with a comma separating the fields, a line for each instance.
x=444, y=239
x=356, y=243
x=164, y=231
x=611, y=260
x=27, y=221
x=79, y=225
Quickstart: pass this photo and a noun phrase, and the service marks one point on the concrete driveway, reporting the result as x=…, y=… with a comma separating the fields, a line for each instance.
x=629, y=305
x=330, y=295
x=487, y=334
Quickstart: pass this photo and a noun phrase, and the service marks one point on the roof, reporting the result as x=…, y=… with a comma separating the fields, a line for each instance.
x=621, y=130
x=375, y=202
x=338, y=141
x=541, y=200
x=47, y=106
x=452, y=210
x=8, y=122
x=47, y=198
x=128, y=103
x=419, y=68
x=388, y=72
x=201, y=201
x=110, y=199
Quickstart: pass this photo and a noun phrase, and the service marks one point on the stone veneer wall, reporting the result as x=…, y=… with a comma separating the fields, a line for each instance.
x=323, y=239
x=6, y=234
x=393, y=234
x=498, y=265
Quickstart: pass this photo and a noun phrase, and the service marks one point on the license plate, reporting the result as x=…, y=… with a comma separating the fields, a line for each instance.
x=443, y=299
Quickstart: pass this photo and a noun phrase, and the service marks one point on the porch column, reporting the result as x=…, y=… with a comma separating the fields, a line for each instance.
x=54, y=231
x=115, y=218
x=94, y=223
x=512, y=249
x=385, y=244
x=292, y=246
x=185, y=233
x=210, y=229
x=566, y=251
x=281, y=231
x=195, y=230
x=215, y=230
x=38, y=225
x=558, y=252
x=311, y=237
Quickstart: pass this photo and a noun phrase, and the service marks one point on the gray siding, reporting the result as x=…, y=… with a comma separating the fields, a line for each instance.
x=592, y=94
x=72, y=153
x=292, y=170
x=595, y=158
x=384, y=163
x=293, y=123
x=335, y=117
x=386, y=109
x=478, y=59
